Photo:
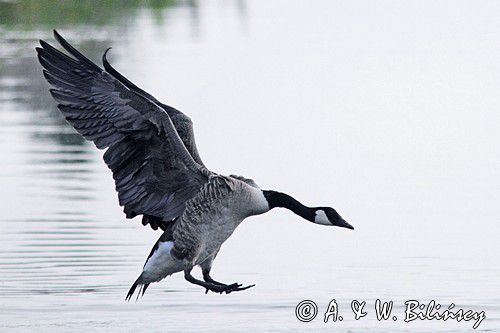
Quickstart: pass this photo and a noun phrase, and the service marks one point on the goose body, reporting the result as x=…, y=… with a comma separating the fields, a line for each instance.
x=213, y=215
x=158, y=171
x=207, y=222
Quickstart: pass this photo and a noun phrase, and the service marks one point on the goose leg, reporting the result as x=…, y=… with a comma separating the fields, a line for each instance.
x=208, y=278
x=206, y=267
x=214, y=286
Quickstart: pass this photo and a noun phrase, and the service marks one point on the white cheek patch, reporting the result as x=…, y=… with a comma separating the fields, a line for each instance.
x=321, y=218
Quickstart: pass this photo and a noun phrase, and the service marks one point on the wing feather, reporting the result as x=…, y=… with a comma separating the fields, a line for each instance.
x=182, y=123
x=154, y=173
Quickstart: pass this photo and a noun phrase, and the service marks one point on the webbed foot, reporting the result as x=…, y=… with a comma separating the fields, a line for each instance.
x=224, y=288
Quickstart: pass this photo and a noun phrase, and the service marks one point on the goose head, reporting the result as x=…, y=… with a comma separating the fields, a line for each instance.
x=329, y=216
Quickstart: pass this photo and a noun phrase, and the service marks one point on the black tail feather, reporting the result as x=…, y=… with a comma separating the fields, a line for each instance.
x=132, y=290
x=142, y=289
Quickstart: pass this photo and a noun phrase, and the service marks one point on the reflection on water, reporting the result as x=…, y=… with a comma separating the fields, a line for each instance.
x=409, y=183
x=54, y=239
x=32, y=14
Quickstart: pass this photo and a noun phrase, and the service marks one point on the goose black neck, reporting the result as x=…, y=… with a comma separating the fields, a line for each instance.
x=278, y=199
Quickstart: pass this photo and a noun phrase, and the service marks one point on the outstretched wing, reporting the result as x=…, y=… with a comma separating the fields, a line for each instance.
x=182, y=123
x=154, y=173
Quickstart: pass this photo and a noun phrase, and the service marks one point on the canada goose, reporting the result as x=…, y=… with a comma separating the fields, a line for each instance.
x=157, y=170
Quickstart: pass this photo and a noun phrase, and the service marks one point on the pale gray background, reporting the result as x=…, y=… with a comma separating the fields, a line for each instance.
x=387, y=110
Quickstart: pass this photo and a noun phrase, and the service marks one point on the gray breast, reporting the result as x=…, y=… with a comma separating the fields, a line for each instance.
x=212, y=216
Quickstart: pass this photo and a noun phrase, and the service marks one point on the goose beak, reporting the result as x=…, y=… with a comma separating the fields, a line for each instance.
x=343, y=224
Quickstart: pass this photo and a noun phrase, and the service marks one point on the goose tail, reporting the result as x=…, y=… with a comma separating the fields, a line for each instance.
x=142, y=289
